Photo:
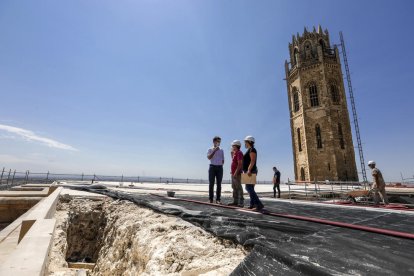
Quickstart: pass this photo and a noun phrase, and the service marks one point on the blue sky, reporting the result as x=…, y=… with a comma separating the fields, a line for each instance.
x=141, y=87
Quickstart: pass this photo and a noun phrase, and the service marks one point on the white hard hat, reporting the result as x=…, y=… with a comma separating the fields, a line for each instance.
x=371, y=163
x=249, y=138
x=236, y=143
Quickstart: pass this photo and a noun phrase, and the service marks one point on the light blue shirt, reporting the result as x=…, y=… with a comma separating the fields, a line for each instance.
x=218, y=157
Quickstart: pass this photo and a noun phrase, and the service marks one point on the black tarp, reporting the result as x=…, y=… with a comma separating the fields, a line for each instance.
x=281, y=246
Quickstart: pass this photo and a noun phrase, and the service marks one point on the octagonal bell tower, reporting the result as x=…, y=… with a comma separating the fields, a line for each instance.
x=320, y=127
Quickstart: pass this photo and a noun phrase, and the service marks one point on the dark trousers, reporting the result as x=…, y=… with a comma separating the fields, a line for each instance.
x=276, y=186
x=215, y=173
x=254, y=199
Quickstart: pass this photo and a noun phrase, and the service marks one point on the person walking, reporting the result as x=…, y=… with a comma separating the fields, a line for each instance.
x=236, y=170
x=249, y=168
x=378, y=184
x=215, y=172
x=276, y=182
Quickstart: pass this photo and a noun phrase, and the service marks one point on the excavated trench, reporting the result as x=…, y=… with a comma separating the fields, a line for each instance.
x=85, y=234
x=106, y=237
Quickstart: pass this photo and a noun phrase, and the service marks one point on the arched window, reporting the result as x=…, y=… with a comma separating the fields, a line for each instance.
x=322, y=43
x=302, y=174
x=313, y=95
x=295, y=53
x=318, y=136
x=341, y=136
x=334, y=93
x=299, y=140
x=295, y=100
x=308, y=50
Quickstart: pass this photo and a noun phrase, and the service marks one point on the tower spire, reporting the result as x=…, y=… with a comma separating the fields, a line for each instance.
x=320, y=29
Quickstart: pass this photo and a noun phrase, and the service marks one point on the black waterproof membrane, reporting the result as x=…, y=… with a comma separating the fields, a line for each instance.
x=281, y=246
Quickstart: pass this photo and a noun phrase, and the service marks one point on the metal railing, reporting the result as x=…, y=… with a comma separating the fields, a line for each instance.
x=322, y=190
x=12, y=177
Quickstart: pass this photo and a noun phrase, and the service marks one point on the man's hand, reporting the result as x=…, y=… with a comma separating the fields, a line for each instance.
x=213, y=153
x=249, y=173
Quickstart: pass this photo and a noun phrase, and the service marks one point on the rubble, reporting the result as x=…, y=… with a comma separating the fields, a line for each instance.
x=122, y=238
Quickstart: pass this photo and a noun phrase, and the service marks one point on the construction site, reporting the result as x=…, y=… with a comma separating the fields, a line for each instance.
x=115, y=228
x=325, y=222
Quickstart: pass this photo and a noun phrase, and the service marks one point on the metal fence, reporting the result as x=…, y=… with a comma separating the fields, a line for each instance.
x=322, y=190
x=11, y=177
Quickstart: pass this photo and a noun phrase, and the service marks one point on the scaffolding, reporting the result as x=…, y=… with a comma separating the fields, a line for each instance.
x=354, y=113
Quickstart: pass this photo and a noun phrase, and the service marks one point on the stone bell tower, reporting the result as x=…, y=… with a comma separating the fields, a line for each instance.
x=319, y=118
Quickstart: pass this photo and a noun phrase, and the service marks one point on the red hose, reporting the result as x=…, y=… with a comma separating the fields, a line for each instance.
x=381, y=231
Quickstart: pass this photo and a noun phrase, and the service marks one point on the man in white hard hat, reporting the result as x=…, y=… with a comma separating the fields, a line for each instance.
x=378, y=184
x=236, y=170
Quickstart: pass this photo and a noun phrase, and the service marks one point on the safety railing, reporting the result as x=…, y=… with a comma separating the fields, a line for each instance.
x=322, y=190
x=11, y=177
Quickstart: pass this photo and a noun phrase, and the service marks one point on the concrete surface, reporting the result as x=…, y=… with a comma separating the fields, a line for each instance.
x=30, y=256
x=43, y=193
x=25, y=243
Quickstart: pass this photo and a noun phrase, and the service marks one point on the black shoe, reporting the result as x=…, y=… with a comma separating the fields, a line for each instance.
x=211, y=201
x=232, y=204
x=250, y=207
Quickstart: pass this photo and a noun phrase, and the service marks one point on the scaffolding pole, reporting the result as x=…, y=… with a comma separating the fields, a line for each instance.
x=354, y=112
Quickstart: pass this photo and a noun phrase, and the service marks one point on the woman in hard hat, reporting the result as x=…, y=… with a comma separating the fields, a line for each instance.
x=249, y=167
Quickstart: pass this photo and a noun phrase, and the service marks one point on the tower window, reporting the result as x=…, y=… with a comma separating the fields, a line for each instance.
x=302, y=174
x=296, y=100
x=341, y=136
x=295, y=60
x=334, y=94
x=299, y=140
x=313, y=95
x=318, y=137
x=322, y=44
x=308, y=50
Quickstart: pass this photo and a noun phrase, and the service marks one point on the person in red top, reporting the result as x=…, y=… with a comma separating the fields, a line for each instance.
x=236, y=170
